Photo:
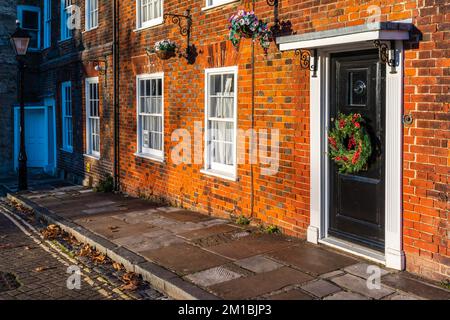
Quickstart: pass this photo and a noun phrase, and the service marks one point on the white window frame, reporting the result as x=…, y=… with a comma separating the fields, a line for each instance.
x=153, y=154
x=66, y=33
x=209, y=4
x=150, y=23
x=66, y=102
x=91, y=15
x=216, y=169
x=20, y=10
x=47, y=23
x=89, y=133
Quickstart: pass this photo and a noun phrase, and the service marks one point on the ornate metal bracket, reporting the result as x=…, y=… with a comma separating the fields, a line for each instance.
x=272, y=3
x=185, y=29
x=389, y=58
x=308, y=60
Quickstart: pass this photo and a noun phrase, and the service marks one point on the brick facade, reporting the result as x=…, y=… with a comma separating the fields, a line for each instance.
x=8, y=79
x=281, y=101
x=74, y=60
x=8, y=83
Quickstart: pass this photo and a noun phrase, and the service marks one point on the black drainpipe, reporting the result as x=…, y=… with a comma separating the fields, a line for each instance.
x=115, y=63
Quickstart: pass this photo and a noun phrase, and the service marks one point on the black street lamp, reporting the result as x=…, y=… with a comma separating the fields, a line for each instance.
x=20, y=40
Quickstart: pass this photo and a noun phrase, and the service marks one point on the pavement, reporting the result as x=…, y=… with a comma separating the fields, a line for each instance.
x=32, y=268
x=193, y=256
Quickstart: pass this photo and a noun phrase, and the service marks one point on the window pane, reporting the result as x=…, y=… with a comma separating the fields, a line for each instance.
x=158, y=105
x=221, y=126
x=157, y=9
x=159, y=85
x=215, y=84
x=147, y=87
x=30, y=20
x=142, y=88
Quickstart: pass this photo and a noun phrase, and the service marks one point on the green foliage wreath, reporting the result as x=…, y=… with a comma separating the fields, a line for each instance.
x=349, y=144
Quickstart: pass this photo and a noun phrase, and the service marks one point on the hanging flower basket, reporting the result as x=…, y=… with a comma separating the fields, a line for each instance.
x=350, y=146
x=246, y=32
x=165, y=49
x=165, y=54
x=245, y=24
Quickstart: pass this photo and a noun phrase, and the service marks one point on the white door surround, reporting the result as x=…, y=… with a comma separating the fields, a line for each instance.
x=319, y=107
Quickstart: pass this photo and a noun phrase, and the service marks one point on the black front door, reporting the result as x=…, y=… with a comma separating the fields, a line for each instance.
x=356, y=201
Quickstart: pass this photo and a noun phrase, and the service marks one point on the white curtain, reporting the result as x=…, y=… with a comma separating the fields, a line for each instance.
x=222, y=131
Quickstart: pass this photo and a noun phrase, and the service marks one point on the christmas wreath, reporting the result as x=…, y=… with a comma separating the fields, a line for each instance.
x=350, y=146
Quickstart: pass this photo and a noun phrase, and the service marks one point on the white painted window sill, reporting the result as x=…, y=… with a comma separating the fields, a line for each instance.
x=91, y=156
x=150, y=25
x=91, y=29
x=219, y=174
x=218, y=5
x=150, y=157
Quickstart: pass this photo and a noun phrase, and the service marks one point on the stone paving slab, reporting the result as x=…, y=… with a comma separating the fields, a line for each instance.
x=185, y=216
x=402, y=297
x=363, y=270
x=260, y=284
x=250, y=246
x=184, y=258
x=332, y=274
x=156, y=243
x=321, y=288
x=259, y=264
x=125, y=231
x=360, y=286
x=344, y=295
x=311, y=259
x=100, y=222
x=207, y=232
x=294, y=294
x=415, y=286
x=213, y=276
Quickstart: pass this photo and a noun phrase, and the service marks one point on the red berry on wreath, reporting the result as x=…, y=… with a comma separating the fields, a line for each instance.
x=351, y=143
x=356, y=157
x=357, y=125
x=332, y=142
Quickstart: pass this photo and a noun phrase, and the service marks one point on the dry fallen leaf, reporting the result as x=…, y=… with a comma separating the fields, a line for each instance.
x=99, y=258
x=39, y=269
x=117, y=266
x=130, y=286
x=85, y=251
x=127, y=277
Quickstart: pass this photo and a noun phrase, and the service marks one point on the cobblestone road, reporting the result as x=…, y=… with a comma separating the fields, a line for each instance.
x=32, y=270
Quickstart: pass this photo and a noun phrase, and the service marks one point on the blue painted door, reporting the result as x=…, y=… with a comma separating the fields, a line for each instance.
x=36, y=141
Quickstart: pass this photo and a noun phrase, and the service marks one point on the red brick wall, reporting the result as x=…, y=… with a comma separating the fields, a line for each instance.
x=282, y=101
x=74, y=60
x=426, y=150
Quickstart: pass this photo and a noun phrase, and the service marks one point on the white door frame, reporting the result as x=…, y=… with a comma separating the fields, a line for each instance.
x=319, y=106
x=52, y=116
